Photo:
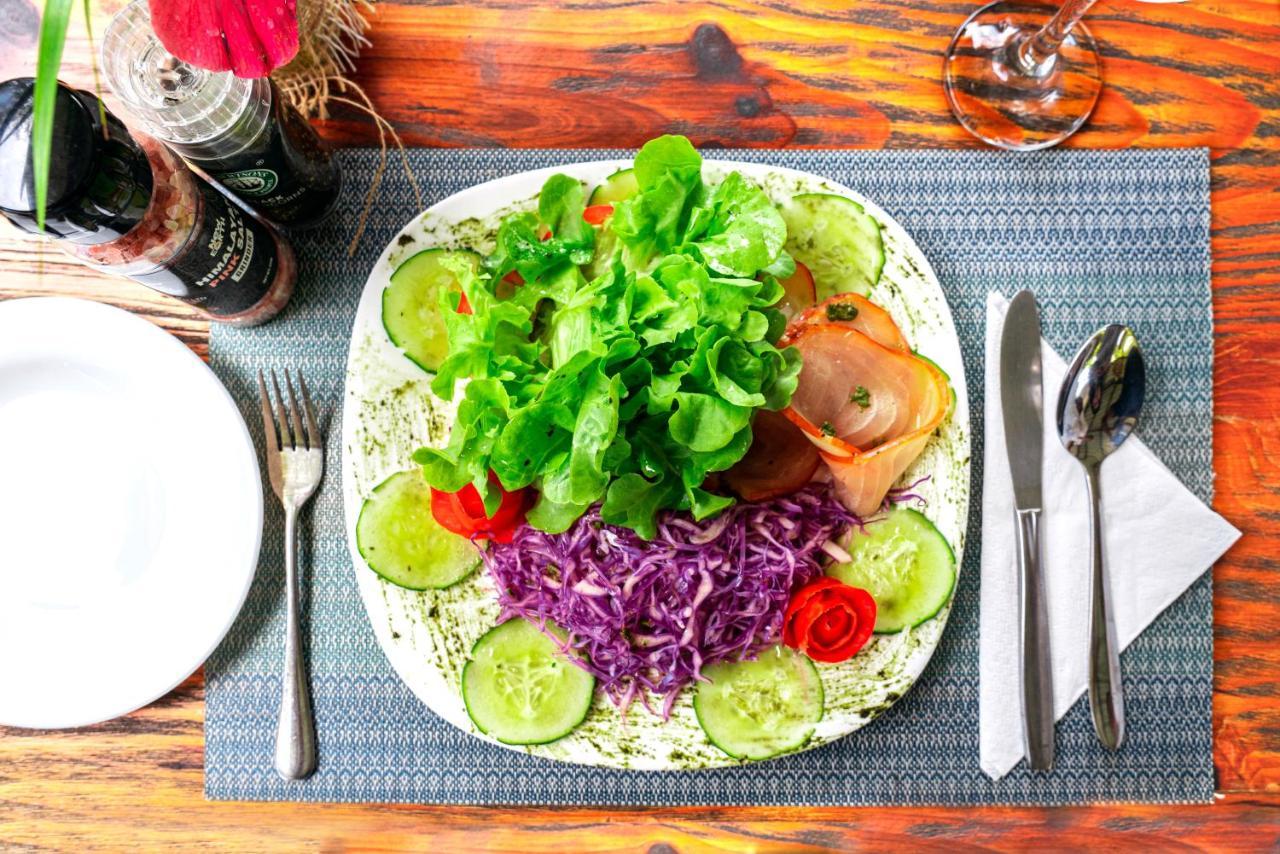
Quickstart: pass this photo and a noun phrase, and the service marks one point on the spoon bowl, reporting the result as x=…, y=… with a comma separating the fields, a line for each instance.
x=1098, y=409
x=1102, y=395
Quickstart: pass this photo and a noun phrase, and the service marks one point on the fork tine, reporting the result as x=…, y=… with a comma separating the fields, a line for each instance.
x=313, y=429
x=282, y=420
x=300, y=438
x=268, y=417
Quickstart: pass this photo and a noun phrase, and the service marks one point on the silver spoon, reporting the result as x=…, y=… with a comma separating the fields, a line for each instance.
x=1097, y=410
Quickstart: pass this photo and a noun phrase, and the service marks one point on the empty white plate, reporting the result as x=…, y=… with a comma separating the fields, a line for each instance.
x=130, y=512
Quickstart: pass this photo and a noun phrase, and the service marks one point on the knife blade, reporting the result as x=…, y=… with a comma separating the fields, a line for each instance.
x=1022, y=405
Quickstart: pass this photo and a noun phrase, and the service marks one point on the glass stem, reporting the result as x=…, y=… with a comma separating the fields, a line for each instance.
x=1034, y=55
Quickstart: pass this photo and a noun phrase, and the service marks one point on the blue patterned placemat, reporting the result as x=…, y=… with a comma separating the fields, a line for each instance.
x=1116, y=236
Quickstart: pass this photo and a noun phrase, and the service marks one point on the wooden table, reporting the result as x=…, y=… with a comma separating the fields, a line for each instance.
x=811, y=73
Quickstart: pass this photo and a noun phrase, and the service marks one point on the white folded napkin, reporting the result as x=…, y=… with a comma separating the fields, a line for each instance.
x=1159, y=539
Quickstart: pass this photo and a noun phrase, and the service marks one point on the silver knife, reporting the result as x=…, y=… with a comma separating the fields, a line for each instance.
x=1022, y=400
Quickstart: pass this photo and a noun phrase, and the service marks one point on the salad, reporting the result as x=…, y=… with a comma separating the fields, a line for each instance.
x=680, y=421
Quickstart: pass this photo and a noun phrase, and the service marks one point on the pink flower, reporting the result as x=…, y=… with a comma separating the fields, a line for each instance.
x=250, y=38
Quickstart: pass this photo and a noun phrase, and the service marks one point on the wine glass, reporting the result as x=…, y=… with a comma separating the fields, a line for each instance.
x=1023, y=75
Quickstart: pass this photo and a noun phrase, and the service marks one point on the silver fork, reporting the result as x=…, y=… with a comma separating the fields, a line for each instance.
x=295, y=461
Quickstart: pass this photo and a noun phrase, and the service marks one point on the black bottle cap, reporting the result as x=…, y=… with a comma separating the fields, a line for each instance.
x=99, y=177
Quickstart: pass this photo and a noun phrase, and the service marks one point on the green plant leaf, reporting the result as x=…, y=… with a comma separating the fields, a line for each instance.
x=53, y=35
x=93, y=63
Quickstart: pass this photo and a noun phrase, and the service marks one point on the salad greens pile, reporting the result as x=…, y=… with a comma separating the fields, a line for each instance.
x=632, y=387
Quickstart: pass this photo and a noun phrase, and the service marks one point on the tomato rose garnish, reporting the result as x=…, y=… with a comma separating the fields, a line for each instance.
x=828, y=620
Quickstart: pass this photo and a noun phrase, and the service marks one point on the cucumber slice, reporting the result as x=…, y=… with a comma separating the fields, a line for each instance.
x=619, y=186
x=922, y=356
x=945, y=375
x=906, y=565
x=837, y=240
x=402, y=542
x=520, y=689
x=411, y=305
x=759, y=709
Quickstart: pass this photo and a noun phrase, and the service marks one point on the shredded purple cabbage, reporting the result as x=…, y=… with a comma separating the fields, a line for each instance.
x=648, y=615
x=903, y=494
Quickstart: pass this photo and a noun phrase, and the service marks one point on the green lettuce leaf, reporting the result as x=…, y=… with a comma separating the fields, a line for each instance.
x=547, y=515
x=669, y=175
x=560, y=207
x=704, y=422
x=633, y=502
x=593, y=434
x=630, y=388
x=746, y=232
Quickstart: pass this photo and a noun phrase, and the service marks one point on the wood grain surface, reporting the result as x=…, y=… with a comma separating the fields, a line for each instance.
x=813, y=73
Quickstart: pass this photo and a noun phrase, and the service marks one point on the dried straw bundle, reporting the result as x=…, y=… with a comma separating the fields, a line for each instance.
x=331, y=35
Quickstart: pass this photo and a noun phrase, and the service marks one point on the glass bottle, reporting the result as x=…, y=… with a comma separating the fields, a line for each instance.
x=238, y=131
x=126, y=204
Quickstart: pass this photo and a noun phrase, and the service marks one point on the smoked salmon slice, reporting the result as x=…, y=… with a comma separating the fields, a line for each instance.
x=869, y=407
x=855, y=312
x=779, y=462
